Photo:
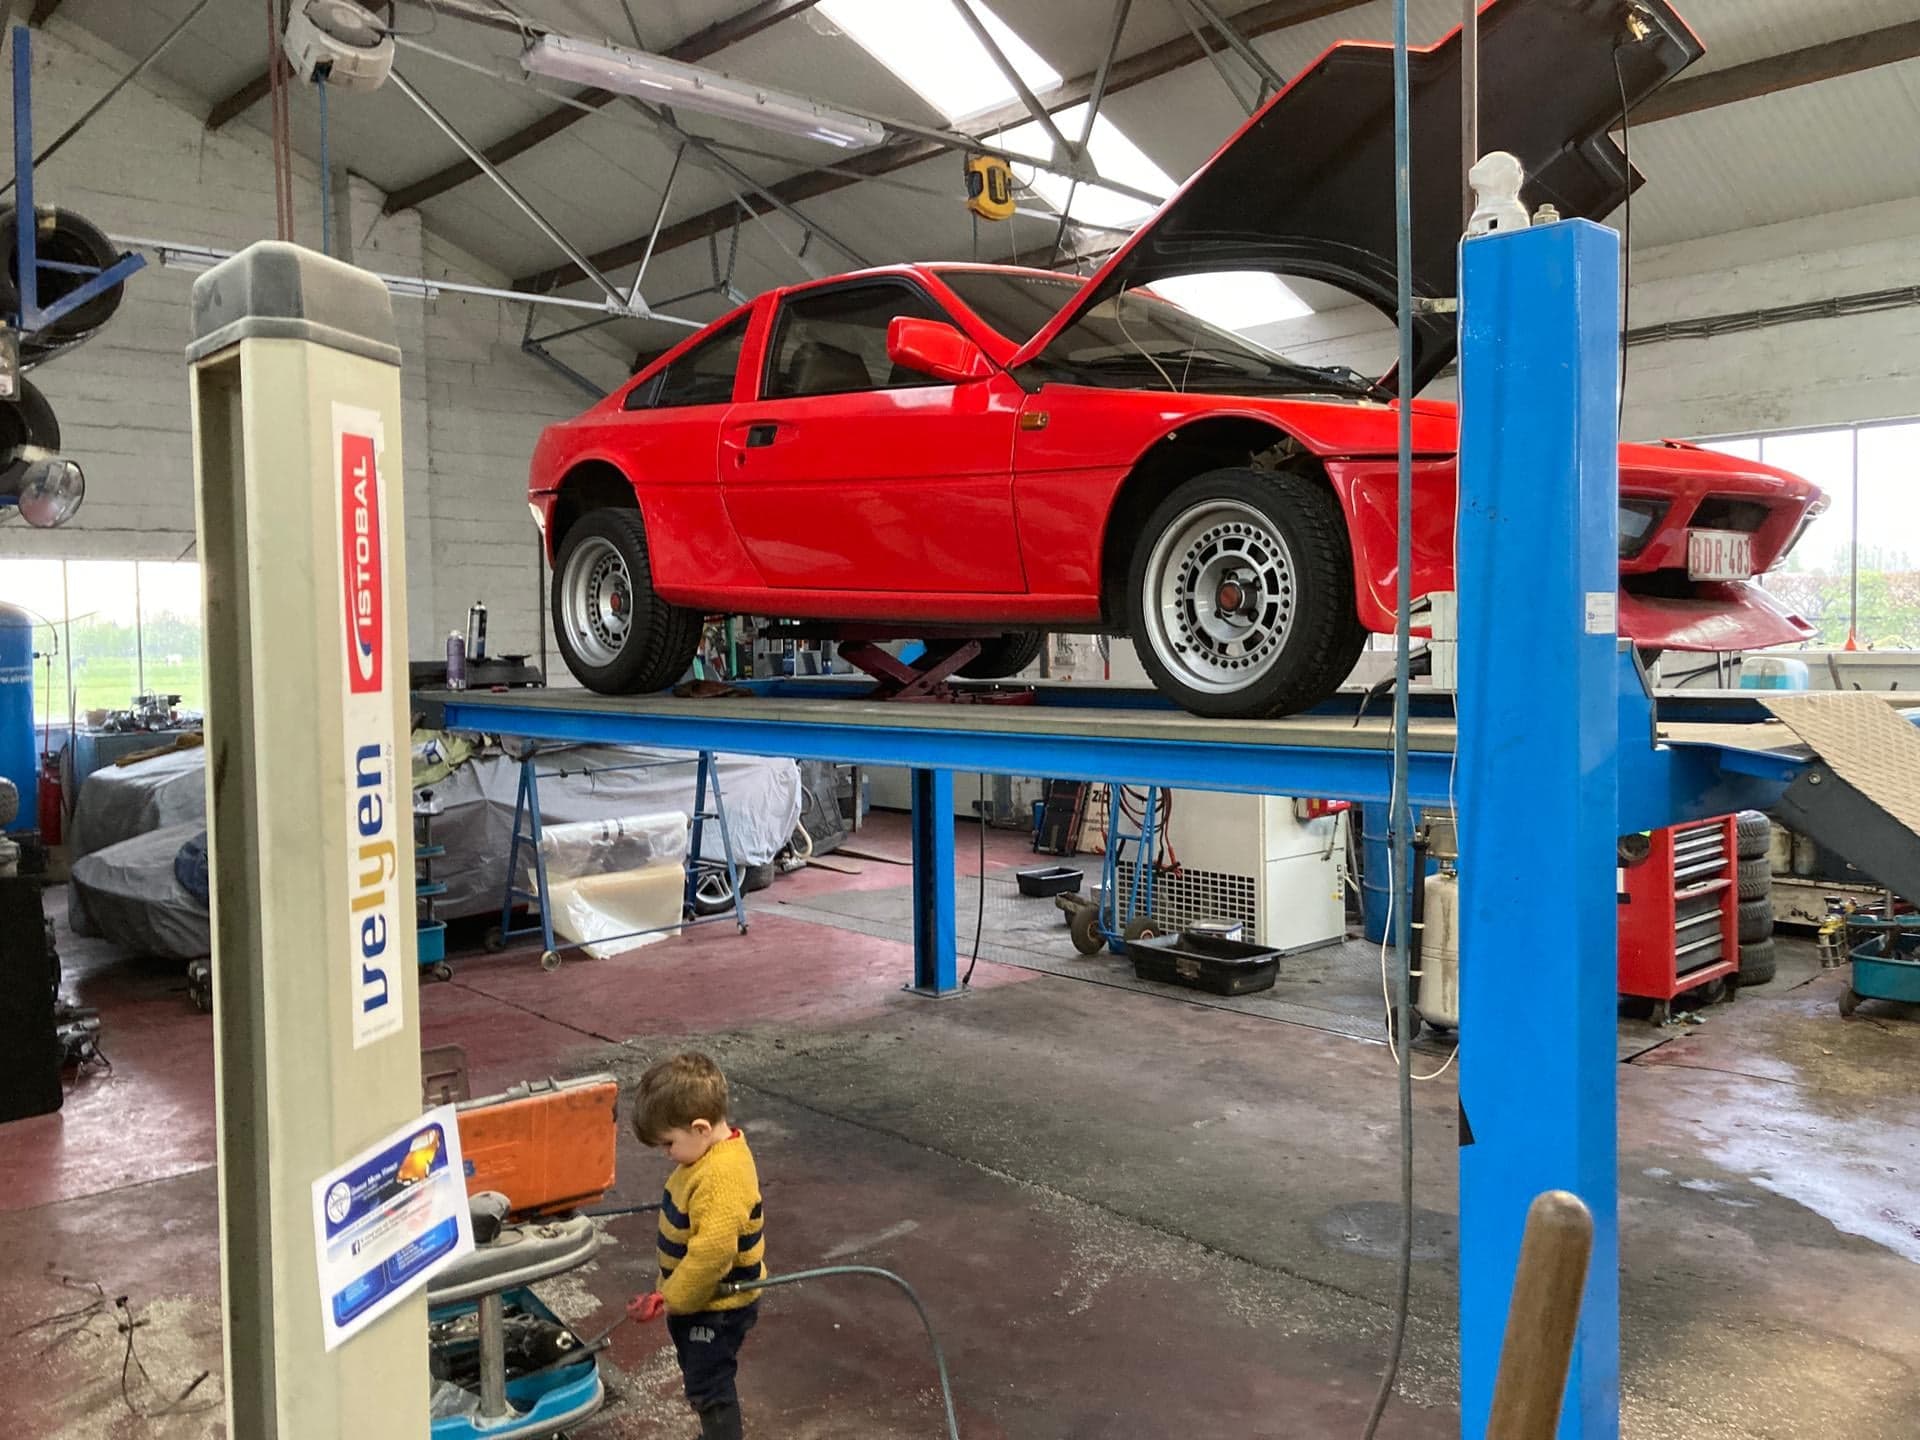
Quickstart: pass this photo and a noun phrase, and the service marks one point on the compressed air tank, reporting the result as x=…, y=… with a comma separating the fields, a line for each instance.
x=19, y=742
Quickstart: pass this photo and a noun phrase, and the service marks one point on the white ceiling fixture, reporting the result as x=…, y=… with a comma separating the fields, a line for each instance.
x=1237, y=300
x=931, y=49
x=691, y=87
x=1114, y=155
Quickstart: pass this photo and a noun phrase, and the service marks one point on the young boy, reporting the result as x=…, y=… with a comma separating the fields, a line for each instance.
x=711, y=1232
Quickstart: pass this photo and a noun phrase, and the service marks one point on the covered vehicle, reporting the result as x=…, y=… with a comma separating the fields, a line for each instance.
x=988, y=451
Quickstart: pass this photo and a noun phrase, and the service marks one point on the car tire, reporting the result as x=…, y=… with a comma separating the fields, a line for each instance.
x=617, y=636
x=1756, y=879
x=1275, y=540
x=1757, y=963
x=1004, y=655
x=1756, y=919
x=1754, y=834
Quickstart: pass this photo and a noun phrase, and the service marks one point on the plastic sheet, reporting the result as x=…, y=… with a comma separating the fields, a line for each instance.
x=608, y=878
x=602, y=847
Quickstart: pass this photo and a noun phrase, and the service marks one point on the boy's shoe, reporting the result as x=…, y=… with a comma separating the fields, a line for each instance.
x=722, y=1422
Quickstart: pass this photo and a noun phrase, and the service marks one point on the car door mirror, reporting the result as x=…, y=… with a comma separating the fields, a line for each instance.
x=933, y=347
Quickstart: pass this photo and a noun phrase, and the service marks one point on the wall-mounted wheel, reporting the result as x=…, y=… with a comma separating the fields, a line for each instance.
x=616, y=634
x=1240, y=594
x=549, y=959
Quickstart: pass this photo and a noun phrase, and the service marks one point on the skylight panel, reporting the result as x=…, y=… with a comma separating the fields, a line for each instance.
x=1238, y=300
x=1114, y=155
x=931, y=49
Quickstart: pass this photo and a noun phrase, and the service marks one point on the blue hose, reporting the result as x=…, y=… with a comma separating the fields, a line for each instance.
x=939, y=1356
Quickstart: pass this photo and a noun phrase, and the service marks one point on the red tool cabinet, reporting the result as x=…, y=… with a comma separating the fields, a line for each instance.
x=1679, y=911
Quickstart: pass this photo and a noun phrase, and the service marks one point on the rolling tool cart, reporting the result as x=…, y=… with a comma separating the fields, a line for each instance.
x=1679, y=914
x=1885, y=951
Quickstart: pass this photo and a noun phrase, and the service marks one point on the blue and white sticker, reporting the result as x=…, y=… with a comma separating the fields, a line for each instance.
x=388, y=1220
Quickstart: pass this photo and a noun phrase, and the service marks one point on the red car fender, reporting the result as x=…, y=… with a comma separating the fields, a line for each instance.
x=1369, y=491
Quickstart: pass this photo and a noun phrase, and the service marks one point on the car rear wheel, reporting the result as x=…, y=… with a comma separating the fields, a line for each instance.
x=617, y=636
x=1241, y=594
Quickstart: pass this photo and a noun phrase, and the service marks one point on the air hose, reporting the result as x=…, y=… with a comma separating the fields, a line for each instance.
x=939, y=1356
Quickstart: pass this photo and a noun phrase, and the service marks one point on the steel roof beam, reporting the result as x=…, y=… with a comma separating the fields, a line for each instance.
x=1771, y=75
x=1137, y=69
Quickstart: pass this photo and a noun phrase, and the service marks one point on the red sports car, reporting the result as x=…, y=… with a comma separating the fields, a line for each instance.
x=994, y=452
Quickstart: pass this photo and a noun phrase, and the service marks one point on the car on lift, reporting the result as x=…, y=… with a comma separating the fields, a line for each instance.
x=953, y=451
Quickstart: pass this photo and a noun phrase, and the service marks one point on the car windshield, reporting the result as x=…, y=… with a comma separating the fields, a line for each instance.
x=1139, y=341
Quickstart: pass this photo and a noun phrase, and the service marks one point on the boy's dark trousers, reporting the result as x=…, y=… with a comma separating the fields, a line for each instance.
x=708, y=1344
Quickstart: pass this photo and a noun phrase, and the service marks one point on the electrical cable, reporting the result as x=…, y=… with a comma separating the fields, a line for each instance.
x=1402, y=694
x=980, y=910
x=794, y=1277
x=326, y=173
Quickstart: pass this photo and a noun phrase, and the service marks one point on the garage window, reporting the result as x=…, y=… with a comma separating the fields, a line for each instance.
x=834, y=342
x=1856, y=570
x=702, y=376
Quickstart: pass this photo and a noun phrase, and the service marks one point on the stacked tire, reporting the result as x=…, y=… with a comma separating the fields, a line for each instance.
x=1755, y=840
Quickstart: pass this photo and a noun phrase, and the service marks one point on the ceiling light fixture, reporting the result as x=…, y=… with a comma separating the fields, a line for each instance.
x=669, y=82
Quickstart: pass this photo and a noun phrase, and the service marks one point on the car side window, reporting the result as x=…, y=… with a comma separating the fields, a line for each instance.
x=834, y=342
x=702, y=376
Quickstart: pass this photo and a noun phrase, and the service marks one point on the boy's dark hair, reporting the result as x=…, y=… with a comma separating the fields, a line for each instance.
x=675, y=1092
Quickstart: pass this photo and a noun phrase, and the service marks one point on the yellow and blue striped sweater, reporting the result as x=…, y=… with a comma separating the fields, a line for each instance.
x=712, y=1231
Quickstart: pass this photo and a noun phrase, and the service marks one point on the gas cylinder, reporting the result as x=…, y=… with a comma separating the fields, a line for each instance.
x=1439, y=998
x=19, y=742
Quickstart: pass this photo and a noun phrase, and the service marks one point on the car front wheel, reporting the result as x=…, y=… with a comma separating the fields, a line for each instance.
x=1241, y=594
x=616, y=634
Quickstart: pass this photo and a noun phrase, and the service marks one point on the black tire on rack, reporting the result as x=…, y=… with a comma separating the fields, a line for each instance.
x=1756, y=879
x=1757, y=962
x=1004, y=656
x=1755, y=834
x=1756, y=920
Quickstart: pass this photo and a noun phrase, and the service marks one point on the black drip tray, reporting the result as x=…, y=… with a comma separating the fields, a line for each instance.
x=1202, y=961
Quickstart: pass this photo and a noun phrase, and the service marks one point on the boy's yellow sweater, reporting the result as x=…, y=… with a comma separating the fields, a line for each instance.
x=711, y=1230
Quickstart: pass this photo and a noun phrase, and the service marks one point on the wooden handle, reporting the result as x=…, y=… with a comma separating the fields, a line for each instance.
x=1541, y=1321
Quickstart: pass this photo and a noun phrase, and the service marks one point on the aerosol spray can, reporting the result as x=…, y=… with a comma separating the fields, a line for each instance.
x=456, y=661
x=477, y=631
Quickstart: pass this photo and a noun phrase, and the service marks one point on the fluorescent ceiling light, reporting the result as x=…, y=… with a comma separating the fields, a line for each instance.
x=1238, y=300
x=1113, y=155
x=931, y=49
x=689, y=87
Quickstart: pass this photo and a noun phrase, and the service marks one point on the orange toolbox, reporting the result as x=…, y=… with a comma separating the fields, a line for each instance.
x=547, y=1145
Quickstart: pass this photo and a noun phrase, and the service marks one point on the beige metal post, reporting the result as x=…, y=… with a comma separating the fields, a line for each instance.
x=296, y=418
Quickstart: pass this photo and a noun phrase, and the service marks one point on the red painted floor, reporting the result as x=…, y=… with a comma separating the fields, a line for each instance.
x=1130, y=1216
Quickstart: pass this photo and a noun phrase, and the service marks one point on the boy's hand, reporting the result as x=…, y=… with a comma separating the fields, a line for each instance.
x=644, y=1308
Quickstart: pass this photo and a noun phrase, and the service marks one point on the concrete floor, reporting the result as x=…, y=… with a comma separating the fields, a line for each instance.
x=1131, y=1215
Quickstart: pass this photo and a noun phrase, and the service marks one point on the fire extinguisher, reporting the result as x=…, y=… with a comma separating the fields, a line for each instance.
x=49, y=791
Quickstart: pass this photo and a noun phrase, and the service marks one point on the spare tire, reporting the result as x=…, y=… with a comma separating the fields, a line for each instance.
x=1756, y=920
x=1755, y=834
x=1757, y=962
x=1756, y=878
x=27, y=423
x=70, y=239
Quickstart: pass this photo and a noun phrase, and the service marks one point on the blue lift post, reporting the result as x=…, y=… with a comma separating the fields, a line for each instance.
x=936, y=963
x=1538, y=775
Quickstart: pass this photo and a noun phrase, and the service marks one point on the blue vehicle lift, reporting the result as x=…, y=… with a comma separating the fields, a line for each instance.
x=1556, y=759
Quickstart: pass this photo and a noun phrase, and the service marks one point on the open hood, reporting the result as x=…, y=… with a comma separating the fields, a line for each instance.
x=1306, y=186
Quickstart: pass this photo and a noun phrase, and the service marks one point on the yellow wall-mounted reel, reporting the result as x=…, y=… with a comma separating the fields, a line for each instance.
x=989, y=187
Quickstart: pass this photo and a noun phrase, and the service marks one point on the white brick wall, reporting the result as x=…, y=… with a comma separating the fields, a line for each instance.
x=472, y=403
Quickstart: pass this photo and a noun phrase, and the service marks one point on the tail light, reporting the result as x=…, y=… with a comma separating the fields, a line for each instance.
x=1639, y=518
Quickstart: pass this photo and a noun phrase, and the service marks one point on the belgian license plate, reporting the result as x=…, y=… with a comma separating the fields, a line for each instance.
x=1719, y=555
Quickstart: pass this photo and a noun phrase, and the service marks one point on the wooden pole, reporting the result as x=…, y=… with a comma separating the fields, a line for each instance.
x=1547, y=1288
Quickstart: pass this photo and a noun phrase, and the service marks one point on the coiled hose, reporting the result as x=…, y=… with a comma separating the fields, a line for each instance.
x=939, y=1357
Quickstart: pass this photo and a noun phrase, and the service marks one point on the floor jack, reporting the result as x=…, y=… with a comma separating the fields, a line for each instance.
x=504, y=1366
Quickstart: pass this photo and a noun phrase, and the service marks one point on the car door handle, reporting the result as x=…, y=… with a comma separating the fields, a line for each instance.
x=762, y=434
